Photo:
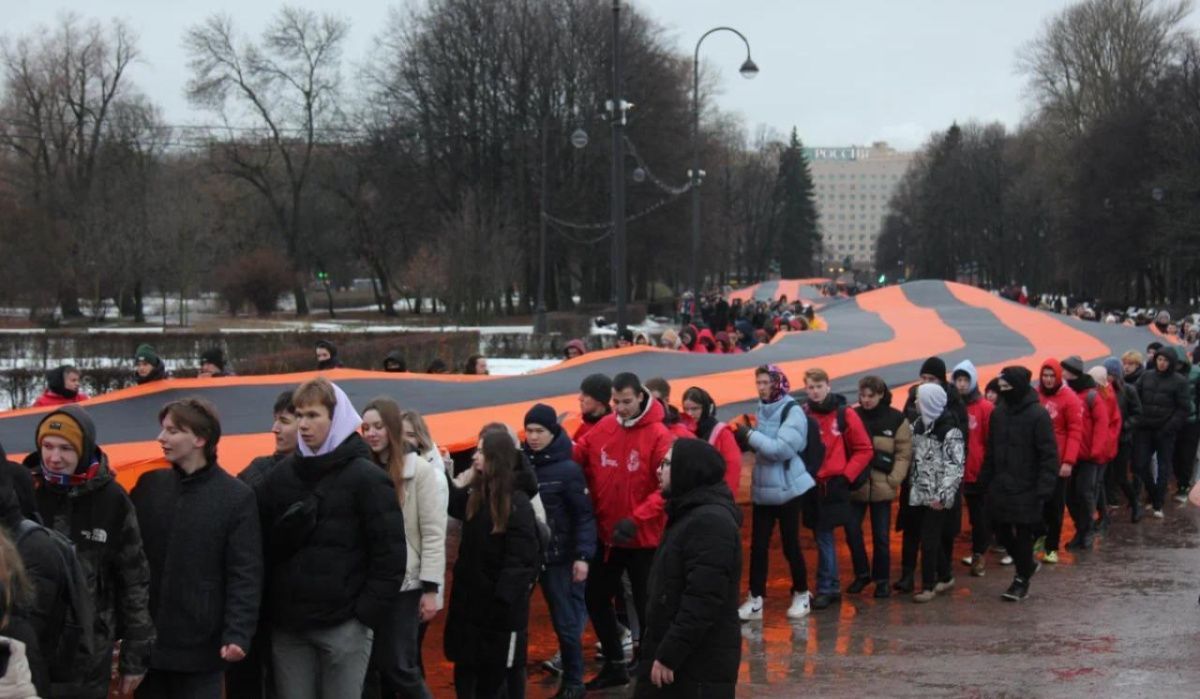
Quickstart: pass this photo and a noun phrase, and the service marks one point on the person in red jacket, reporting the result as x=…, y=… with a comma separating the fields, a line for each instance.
x=678, y=424
x=595, y=393
x=699, y=408
x=62, y=388
x=620, y=456
x=848, y=452
x=1067, y=416
x=979, y=417
x=1116, y=423
x=1094, y=445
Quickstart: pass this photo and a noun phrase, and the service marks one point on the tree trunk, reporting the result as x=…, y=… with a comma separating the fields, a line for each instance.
x=301, y=299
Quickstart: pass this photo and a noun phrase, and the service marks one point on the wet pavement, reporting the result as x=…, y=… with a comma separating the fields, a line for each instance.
x=1120, y=621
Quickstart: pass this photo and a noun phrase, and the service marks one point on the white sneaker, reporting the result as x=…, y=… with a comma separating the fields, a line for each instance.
x=801, y=605
x=626, y=643
x=1158, y=514
x=968, y=560
x=751, y=609
x=1007, y=560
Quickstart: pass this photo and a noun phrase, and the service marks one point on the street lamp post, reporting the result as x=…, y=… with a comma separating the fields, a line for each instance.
x=617, y=114
x=748, y=70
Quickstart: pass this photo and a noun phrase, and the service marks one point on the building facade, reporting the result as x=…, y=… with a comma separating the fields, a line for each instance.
x=852, y=187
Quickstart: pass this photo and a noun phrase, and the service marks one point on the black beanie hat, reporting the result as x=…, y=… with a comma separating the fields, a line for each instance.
x=1020, y=379
x=214, y=356
x=1073, y=364
x=694, y=463
x=598, y=387
x=934, y=366
x=543, y=415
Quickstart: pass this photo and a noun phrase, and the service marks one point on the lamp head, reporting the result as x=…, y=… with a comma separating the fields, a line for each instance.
x=749, y=69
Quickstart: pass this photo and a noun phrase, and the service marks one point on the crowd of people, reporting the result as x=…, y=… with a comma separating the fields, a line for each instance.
x=316, y=571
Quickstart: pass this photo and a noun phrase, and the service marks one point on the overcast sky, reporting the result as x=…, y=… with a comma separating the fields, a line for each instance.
x=842, y=71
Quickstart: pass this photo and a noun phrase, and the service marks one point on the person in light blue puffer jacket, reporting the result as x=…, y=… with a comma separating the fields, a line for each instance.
x=780, y=479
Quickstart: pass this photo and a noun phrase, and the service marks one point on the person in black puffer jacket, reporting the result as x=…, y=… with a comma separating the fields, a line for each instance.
x=572, y=537
x=203, y=542
x=1165, y=408
x=692, y=643
x=488, y=619
x=335, y=549
x=1019, y=472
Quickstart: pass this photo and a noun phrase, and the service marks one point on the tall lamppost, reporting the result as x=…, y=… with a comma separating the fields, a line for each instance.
x=748, y=70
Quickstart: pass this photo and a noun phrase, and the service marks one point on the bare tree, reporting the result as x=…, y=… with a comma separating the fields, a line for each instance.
x=285, y=86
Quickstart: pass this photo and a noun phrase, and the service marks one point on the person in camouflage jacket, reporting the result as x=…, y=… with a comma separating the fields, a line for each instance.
x=86, y=504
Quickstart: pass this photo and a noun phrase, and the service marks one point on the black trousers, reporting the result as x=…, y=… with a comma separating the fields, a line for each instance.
x=1082, y=498
x=494, y=682
x=1116, y=474
x=160, y=684
x=881, y=526
x=1052, y=515
x=1185, y=455
x=395, y=667
x=910, y=539
x=762, y=525
x=935, y=550
x=604, y=586
x=1017, y=539
x=1153, y=458
x=981, y=528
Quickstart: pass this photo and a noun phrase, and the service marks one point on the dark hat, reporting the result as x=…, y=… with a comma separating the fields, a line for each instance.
x=146, y=353
x=627, y=335
x=1019, y=378
x=598, y=387
x=934, y=366
x=214, y=356
x=1154, y=346
x=1073, y=364
x=993, y=386
x=544, y=415
x=694, y=463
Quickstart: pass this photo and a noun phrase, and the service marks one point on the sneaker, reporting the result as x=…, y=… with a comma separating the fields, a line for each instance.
x=824, y=601
x=553, y=665
x=1000, y=549
x=1158, y=514
x=968, y=560
x=1006, y=561
x=1039, y=546
x=979, y=567
x=751, y=609
x=1016, y=592
x=801, y=605
x=1181, y=498
x=1050, y=557
x=944, y=586
x=611, y=675
x=924, y=596
x=859, y=585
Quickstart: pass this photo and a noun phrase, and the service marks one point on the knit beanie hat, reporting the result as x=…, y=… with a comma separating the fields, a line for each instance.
x=544, y=416
x=934, y=366
x=61, y=424
x=1099, y=374
x=1113, y=366
x=146, y=353
x=597, y=387
x=1073, y=364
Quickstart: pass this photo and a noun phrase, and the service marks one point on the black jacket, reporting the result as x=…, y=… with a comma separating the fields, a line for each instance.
x=493, y=579
x=202, y=540
x=99, y=519
x=568, y=508
x=1020, y=467
x=1164, y=398
x=1130, y=405
x=352, y=564
x=692, y=625
x=255, y=474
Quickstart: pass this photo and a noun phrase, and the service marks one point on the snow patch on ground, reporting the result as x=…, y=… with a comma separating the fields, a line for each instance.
x=501, y=366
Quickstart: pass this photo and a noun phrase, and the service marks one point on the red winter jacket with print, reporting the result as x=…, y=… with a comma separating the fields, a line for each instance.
x=1065, y=413
x=620, y=459
x=1094, y=435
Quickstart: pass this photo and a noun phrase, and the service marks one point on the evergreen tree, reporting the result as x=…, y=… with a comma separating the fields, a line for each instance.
x=796, y=219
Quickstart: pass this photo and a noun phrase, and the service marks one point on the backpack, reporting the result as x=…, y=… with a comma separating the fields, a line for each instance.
x=74, y=645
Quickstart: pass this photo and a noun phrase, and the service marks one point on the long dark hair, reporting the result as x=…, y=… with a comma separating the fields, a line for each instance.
x=708, y=410
x=390, y=416
x=495, y=484
x=472, y=361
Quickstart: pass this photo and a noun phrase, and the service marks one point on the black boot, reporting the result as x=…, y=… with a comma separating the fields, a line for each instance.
x=1136, y=514
x=859, y=585
x=613, y=674
x=883, y=590
x=905, y=583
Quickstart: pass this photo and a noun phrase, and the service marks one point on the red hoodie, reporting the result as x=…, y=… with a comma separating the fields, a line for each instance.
x=1115, y=423
x=52, y=398
x=837, y=462
x=979, y=417
x=620, y=461
x=1094, y=437
x=708, y=342
x=1065, y=412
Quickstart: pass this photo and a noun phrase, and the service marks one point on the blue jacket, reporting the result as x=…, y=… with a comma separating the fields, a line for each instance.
x=779, y=471
x=568, y=507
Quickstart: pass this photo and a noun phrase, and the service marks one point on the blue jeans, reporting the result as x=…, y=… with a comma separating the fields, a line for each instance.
x=827, y=570
x=568, y=613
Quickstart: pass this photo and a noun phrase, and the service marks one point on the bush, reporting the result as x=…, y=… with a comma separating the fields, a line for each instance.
x=258, y=278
